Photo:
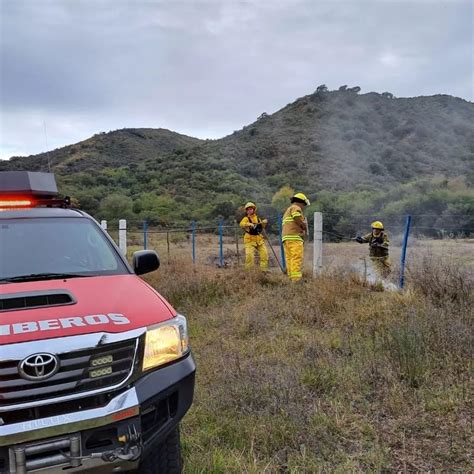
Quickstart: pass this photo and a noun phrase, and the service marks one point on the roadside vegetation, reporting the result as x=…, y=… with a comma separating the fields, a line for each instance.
x=331, y=375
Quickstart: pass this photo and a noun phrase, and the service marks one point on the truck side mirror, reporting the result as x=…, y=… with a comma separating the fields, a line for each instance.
x=145, y=261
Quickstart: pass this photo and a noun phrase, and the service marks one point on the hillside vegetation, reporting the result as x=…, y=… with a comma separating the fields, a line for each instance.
x=365, y=153
x=120, y=148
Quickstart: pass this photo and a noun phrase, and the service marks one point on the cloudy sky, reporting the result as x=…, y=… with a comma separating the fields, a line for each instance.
x=72, y=68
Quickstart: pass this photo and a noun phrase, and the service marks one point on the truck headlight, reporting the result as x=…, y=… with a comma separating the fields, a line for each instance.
x=165, y=342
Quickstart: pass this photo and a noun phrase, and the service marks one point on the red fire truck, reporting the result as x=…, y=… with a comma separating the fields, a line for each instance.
x=95, y=366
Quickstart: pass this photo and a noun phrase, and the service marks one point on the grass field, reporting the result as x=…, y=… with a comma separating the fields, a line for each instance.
x=331, y=375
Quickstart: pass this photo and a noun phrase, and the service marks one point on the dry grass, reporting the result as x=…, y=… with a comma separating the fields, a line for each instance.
x=442, y=278
x=329, y=375
x=176, y=247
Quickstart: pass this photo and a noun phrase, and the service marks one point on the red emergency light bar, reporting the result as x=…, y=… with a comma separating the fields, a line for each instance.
x=14, y=202
x=20, y=202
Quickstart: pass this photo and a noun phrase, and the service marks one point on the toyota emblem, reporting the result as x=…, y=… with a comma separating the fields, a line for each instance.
x=39, y=366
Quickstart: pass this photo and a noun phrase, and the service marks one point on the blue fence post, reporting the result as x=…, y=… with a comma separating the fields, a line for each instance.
x=221, y=247
x=282, y=250
x=404, y=252
x=145, y=236
x=193, y=227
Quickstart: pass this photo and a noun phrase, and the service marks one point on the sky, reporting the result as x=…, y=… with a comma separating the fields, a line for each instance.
x=73, y=68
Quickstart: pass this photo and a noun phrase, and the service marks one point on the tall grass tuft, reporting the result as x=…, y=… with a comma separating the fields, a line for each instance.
x=407, y=348
x=443, y=279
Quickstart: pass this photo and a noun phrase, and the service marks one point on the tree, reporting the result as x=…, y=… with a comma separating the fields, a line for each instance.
x=115, y=207
x=224, y=210
x=281, y=199
x=154, y=209
x=322, y=88
x=87, y=202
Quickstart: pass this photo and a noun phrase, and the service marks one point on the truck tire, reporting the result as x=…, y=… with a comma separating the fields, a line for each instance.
x=164, y=457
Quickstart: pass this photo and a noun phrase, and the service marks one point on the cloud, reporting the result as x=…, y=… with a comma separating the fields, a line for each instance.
x=206, y=68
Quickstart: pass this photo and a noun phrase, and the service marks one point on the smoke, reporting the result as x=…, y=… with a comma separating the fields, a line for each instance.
x=365, y=268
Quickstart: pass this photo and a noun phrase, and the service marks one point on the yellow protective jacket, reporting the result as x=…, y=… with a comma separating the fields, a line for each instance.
x=378, y=245
x=245, y=223
x=294, y=224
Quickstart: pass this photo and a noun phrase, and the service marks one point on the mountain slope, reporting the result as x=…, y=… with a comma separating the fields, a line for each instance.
x=328, y=139
x=370, y=151
x=340, y=140
x=106, y=150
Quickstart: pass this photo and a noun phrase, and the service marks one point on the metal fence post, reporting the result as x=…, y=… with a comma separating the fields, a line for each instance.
x=282, y=250
x=193, y=227
x=103, y=224
x=404, y=252
x=221, y=243
x=145, y=236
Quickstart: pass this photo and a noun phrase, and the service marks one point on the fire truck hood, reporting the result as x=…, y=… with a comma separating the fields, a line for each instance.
x=112, y=304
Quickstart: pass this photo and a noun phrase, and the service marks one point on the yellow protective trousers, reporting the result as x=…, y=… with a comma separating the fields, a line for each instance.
x=294, y=259
x=382, y=265
x=257, y=245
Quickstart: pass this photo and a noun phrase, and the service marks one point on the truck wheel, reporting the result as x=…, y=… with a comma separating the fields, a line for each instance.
x=165, y=457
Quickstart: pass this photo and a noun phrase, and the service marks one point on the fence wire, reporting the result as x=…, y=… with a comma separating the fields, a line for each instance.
x=221, y=244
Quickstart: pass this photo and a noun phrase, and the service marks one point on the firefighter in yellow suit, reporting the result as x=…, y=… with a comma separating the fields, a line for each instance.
x=253, y=239
x=295, y=228
x=378, y=248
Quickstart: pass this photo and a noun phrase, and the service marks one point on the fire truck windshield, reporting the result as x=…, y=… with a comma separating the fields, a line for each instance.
x=42, y=248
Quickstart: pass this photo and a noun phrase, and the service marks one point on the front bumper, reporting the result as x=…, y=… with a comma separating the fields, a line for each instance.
x=153, y=405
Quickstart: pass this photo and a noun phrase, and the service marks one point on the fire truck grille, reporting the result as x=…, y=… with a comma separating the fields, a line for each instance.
x=79, y=371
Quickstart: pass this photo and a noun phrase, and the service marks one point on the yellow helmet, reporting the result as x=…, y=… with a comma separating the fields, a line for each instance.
x=250, y=204
x=301, y=197
x=377, y=225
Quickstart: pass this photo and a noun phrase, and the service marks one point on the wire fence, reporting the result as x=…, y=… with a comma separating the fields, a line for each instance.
x=220, y=244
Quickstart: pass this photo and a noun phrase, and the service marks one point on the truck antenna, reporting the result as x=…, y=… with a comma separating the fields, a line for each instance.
x=47, y=148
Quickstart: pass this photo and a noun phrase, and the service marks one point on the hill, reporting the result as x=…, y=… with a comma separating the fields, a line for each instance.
x=367, y=150
x=342, y=140
x=106, y=150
